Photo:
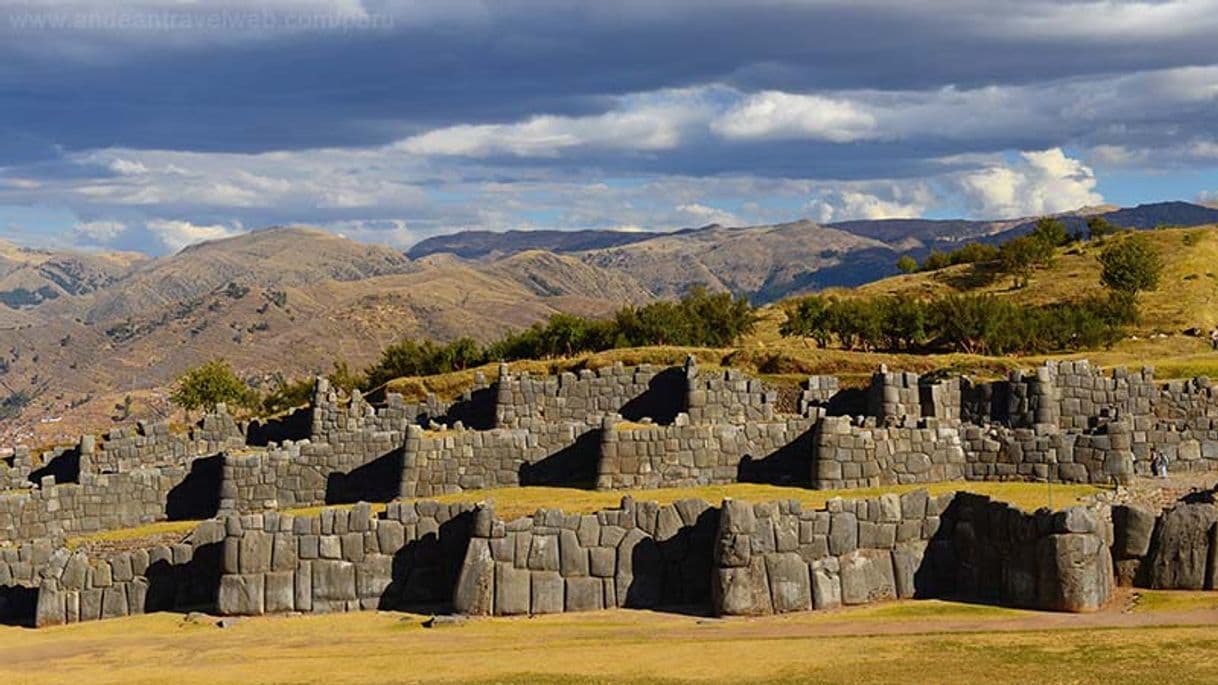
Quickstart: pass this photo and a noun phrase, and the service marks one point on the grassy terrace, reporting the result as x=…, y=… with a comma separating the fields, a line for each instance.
x=513, y=503
x=915, y=642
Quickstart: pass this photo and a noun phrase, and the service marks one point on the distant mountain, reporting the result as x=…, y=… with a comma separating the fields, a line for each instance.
x=29, y=277
x=283, y=300
x=767, y=263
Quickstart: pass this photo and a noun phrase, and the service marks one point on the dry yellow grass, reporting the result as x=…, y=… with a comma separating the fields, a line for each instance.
x=515, y=502
x=611, y=647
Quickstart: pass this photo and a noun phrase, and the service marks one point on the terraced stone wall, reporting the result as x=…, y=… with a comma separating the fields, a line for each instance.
x=343, y=560
x=685, y=454
x=641, y=555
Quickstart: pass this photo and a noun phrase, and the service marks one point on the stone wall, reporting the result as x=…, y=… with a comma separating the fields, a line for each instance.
x=1058, y=561
x=1173, y=550
x=586, y=396
x=100, y=502
x=72, y=587
x=685, y=454
x=641, y=555
x=777, y=557
x=727, y=397
x=852, y=455
x=154, y=444
x=343, y=560
x=451, y=461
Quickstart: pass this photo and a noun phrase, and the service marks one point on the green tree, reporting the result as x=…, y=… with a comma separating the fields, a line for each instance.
x=1131, y=266
x=808, y=317
x=1051, y=231
x=1019, y=256
x=206, y=386
x=1098, y=227
x=907, y=264
x=936, y=260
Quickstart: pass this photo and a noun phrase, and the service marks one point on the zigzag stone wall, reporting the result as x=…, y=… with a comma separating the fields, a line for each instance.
x=685, y=454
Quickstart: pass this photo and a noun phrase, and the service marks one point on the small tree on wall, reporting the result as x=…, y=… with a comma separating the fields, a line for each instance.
x=206, y=386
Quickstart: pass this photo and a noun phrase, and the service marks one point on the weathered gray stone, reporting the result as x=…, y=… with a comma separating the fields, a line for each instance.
x=1179, y=560
x=843, y=533
x=867, y=576
x=1134, y=527
x=584, y=594
x=1075, y=572
x=790, y=584
x=333, y=580
x=906, y=561
x=512, y=591
x=826, y=584
x=572, y=557
x=280, y=592
x=744, y=590
x=241, y=595
x=475, y=591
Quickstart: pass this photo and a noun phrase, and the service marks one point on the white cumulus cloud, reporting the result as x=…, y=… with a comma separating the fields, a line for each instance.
x=1038, y=182
x=177, y=234
x=778, y=115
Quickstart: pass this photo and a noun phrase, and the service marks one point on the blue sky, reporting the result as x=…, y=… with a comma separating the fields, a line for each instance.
x=151, y=124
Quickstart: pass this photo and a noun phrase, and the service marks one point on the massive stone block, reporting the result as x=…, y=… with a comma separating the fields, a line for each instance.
x=867, y=576
x=1179, y=559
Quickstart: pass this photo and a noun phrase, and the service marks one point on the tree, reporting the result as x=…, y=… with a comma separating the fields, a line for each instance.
x=808, y=317
x=936, y=260
x=1098, y=227
x=907, y=264
x=1019, y=256
x=1051, y=231
x=1131, y=266
x=206, y=386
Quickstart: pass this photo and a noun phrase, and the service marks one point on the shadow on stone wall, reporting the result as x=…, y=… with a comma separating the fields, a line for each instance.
x=848, y=402
x=17, y=605
x=65, y=467
x=478, y=412
x=294, y=426
x=789, y=465
x=572, y=466
x=663, y=400
x=198, y=495
x=425, y=570
x=380, y=480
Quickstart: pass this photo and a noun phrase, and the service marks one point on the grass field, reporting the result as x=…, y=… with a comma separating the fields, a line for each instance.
x=888, y=643
x=515, y=502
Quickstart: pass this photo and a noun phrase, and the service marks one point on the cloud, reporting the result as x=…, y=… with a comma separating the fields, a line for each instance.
x=99, y=231
x=703, y=215
x=647, y=126
x=177, y=234
x=778, y=115
x=1036, y=183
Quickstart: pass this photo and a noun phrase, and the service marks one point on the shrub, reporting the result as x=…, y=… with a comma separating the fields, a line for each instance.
x=212, y=383
x=1131, y=266
x=907, y=264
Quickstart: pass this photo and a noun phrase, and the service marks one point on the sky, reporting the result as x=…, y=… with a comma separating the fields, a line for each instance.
x=152, y=124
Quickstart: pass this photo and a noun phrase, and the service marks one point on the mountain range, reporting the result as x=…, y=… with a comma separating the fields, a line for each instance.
x=79, y=331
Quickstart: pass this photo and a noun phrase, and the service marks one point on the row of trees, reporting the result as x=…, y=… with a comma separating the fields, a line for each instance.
x=1017, y=257
x=987, y=324
x=700, y=319
x=974, y=324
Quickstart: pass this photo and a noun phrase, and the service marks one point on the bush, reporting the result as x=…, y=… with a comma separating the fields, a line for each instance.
x=1019, y=256
x=973, y=324
x=1131, y=266
x=907, y=264
x=1098, y=227
x=206, y=386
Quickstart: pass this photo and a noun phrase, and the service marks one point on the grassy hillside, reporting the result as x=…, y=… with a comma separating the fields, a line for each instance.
x=1187, y=296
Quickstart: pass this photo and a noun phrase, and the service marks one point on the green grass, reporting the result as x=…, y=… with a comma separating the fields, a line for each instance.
x=515, y=502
